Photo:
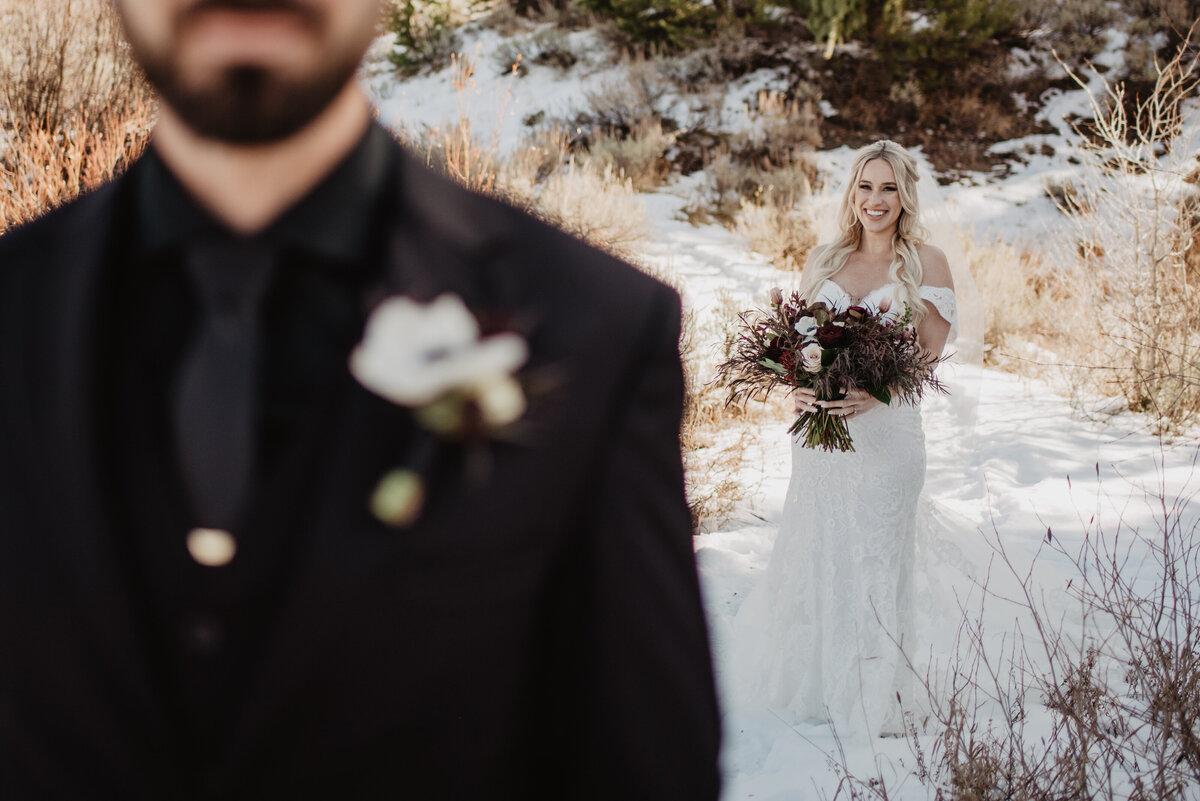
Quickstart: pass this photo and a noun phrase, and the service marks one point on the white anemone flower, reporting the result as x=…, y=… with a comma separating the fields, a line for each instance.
x=414, y=354
x=805, y=326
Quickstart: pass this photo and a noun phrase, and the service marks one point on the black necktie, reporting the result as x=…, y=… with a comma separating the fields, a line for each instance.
x=215, y=400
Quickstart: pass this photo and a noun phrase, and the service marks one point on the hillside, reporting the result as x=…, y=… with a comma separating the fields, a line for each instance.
x=719, y=186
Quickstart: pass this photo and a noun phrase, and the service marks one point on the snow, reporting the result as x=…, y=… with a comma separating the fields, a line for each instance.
x=1035, y=463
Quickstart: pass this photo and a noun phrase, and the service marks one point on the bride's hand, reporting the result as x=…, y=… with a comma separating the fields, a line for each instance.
x=805, y=399
x=856, y=402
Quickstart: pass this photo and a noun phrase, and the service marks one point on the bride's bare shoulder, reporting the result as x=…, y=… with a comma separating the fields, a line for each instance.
x=935, y=268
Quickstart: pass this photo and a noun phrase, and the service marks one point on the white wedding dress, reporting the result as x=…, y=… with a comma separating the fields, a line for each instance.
x=819, y=637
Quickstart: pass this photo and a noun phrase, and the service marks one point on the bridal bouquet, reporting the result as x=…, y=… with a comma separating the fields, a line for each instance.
x=801, y=344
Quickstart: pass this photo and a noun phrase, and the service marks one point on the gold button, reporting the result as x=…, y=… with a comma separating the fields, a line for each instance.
x=211, y=547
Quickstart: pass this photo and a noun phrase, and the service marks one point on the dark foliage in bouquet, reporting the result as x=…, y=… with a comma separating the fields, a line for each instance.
x=800, y=344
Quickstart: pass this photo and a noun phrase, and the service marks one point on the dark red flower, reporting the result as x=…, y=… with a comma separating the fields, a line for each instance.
x=831, y=336
x=788, y=360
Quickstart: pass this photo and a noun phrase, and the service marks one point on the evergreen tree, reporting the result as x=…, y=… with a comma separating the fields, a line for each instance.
x=664, y=24
x=835, y=22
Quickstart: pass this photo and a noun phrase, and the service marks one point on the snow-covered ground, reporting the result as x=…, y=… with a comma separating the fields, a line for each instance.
x=1031, y=464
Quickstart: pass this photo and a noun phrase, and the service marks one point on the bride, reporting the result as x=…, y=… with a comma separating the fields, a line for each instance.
x=835, y=607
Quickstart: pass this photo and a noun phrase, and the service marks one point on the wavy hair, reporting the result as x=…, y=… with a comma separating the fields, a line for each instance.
x=905, y=269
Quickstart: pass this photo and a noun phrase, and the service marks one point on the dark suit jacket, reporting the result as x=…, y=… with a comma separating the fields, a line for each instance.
x=537, y=634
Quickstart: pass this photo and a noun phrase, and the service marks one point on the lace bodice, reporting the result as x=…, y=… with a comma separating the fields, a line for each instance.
x=942, y=298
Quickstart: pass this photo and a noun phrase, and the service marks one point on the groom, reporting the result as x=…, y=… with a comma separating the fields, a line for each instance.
x=230, y=570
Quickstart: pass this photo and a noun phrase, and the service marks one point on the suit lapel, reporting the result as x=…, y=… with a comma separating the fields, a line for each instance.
x=433, y=246
x=69, y=431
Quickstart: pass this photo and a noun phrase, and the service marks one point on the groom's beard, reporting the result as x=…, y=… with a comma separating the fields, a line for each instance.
x=247, y=104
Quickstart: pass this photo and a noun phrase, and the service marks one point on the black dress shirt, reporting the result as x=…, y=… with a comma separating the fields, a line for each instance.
x=205, y=623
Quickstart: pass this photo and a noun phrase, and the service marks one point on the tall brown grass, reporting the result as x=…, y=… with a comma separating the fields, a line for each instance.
x=1034, y=323
x=596, y=203
x=74, y=110
x=43, y=169
x=62, y=61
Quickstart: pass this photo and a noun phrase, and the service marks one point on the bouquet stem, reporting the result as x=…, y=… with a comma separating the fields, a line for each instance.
x=820, y=429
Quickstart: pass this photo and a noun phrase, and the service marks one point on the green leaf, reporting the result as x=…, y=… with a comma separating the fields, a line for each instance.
x=772, y=365
x=883, y=395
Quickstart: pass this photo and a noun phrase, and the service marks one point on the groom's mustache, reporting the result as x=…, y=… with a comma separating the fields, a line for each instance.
x=310, y=14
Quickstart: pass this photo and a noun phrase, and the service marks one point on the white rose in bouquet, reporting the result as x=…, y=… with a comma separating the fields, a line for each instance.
x=810, y=357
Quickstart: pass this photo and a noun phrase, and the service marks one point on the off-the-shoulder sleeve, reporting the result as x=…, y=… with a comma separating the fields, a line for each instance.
x=942, y=298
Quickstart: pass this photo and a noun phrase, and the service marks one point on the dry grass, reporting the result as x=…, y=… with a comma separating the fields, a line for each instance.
x=548, y=46
x=44, y=169
x=599, y=206
x=1034, y=321
x=635, y=98
x=63, y=62
x=456, y=149
x=637, y=156
x=596, y=203
x=74, y=111
x=771, y=209
x=760, y=181
x=779, y=228
x=715, y=437
x=519, y=16
x=782, y=132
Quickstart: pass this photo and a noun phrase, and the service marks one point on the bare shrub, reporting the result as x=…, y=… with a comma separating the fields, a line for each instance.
x=598, y=206
x=1156, y=30
x=1064, y=194
x=779, y=228
x=547, y=46
x=1132, y=244
x=542, y=153
x=639, y=156
x=1104, y=707
x=728, y=54
x=759, y=183
x=64, y=65
x=782, y=132
x=1080, y=28
x=993, y=118
x=719, y=197
x=634, y=97
x=1034, y=317
x=730, y=184
x=715, y=436
x=566, y=14
x=74, y=111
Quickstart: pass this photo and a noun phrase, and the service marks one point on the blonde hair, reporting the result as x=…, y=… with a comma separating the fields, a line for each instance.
x=905, y=269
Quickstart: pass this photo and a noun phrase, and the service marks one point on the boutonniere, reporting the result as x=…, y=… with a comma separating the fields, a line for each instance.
x=432, y=359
